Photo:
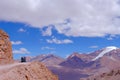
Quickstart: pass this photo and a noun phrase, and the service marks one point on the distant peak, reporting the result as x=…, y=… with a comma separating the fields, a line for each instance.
x=73, y=54
x=105, y=51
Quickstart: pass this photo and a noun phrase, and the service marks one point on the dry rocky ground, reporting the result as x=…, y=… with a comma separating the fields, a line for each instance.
x=26, y=71
x=111, y=75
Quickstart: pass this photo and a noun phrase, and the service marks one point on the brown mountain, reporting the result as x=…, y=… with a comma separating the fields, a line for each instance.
x=74, y=61
x=66, y=73
x=105, y=58
x=48, y=59
x=78, y=66
x=109, y=60
x=111, y=75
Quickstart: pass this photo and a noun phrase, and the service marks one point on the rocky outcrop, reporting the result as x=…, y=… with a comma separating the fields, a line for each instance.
x=5, y=48
x=112, y=75
x=26, y=71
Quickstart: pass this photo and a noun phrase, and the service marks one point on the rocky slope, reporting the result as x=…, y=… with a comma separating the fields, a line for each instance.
x=73, y=62
x=111, y=75
x=26, y=71
x=48, y=59
x=66, y=73
x=5, y=48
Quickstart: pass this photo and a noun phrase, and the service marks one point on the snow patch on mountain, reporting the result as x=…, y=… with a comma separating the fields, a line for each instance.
x=106, y=50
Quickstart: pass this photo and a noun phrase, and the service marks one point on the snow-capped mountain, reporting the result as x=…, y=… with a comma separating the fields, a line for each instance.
x=107, y=58
x=105, y=51
x=79, y=65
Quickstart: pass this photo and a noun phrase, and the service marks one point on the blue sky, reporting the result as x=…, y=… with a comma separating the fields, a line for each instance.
x=43, y=26
x=35, y=43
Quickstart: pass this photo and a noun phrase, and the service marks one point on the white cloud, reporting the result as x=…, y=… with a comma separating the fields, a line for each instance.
x=22, y=30
x=57, y=41
x=111, y=37
x=90, y=18
x=21, y=51
x=16, y=42
x=49, y=48
x=94, y=46
x=47, y=32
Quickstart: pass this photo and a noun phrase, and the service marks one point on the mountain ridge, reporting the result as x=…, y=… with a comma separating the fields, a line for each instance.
x=84, y=65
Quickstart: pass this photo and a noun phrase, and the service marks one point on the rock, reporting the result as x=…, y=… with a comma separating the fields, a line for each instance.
x=26, y=71
x=5, y=48
x=111, y=75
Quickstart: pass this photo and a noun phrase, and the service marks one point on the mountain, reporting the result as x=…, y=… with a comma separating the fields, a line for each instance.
x=26, y=71
x=74, y=61
x=83, y=56
x=111, y=75
x=53, y=63
x=82, y=65
x=105, y=51
x=107, y=58
x=48, y=59
x=66, y=73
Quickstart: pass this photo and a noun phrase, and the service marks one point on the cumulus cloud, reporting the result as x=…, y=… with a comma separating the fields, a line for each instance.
x=47, y=31
x=111, y=37
x=94, y=46
x=46, y=47
x=22, y=30
x=21, y=51
x=16, y=42
x=57, y=41
x=90, y=18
